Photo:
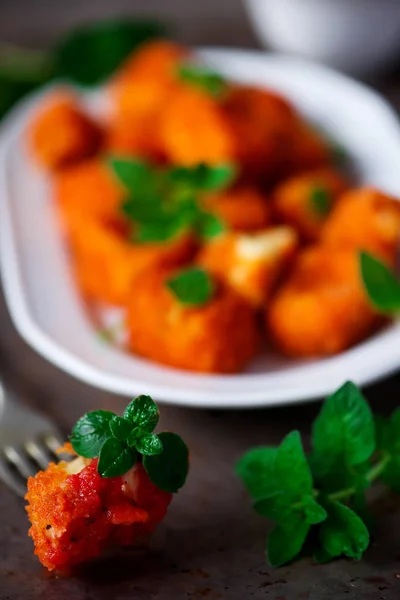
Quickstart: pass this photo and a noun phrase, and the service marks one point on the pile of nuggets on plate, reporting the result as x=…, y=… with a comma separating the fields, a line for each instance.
x=286, y=261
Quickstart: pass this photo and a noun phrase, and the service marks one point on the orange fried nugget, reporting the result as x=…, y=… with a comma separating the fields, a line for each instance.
x=262, y=123
x=75, y=514
x=242, y=208
x=308, y=149
x=87, y=190
x=194, y=129
x=218, y=337
x=61, y=134
x=365, y=219
x=146, y=79
x=134, y=136
x=305, y=201
x=250, y=264
x=107, y=264
x=322, y=308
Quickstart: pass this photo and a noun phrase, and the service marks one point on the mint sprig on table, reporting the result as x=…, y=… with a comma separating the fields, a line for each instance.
x=320, y=497
x=381, y=283
x=163, y=202
x=87, y=55
x=120, y=442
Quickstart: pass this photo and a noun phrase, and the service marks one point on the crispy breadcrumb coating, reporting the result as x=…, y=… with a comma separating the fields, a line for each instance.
x=61, y=134
x=294, y=200
x=322, y=307
x=76, y=514
x=242, y=208
x=365, y=219
x=218, y=337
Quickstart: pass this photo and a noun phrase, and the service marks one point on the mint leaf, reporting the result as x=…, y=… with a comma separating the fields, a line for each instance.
x=148, y=444
x=209, y=226
x=343, y=532
x=313, y=512
x=134, y=174
x=343, y=435
x=168, y=470
x=284, y=544
x=143, y=412
x=381, y=284
x=193, y=286
x=92, y=52
x=203, y=78
x=120, y=428
x=320, y=201
x=202, y=177
x=116, y=458
x=388, y=442
x=291, y=466
x=257, y=470
x=157, y=232
x=90, y=433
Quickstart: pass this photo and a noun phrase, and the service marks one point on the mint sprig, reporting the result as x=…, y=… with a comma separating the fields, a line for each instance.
x=192, y=287
x=120, y=442
x=320, y=201
x=204, y=78
x=320, y=498
x=161, y=203
x=380, y=283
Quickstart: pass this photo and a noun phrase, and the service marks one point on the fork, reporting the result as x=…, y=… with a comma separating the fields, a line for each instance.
x=28, y=441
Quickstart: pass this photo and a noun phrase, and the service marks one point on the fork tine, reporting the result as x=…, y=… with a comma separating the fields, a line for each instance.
x=11, y=478
x=53, y=443
x=38, y=453
x=19, y=461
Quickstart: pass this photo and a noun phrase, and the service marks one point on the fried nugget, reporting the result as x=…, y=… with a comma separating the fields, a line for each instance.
x=322, y=308
x=305, y=201
x=61, y=134
x=134, y=136
x=107, y=264
x=194, y=129
x=308, y=150
x=250, y=264
x=145, y=81
x=87, y=190
x=76, y=514
x=262, y=123
x=218, y=337
x=242, y=208
x=365, y=219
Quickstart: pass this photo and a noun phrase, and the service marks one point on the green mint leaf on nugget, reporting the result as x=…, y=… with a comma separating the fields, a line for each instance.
x=143, y=412
x=134, y=174
x=92, y=52
x=209, y=226
x=120, y=428
x=320, y=201
x=343, y=532
x=193, y=287
x=381, y=284
x=90, y=433
x=148, y=444
x=203, y=78
x=116, y=458
x=168, y=470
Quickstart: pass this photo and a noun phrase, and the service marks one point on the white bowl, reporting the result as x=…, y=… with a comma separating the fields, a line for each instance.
x=46, y=306
x=356, y=36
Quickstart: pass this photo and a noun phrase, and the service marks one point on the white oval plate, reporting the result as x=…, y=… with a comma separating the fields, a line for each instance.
x=45, y=303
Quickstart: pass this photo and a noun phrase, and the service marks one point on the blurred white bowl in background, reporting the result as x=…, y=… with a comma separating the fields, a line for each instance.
x=358, y=36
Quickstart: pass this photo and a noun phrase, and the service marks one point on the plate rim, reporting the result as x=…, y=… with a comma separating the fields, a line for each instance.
x=54, y=352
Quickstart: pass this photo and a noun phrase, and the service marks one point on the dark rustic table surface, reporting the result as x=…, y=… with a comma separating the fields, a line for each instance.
x=211, y=545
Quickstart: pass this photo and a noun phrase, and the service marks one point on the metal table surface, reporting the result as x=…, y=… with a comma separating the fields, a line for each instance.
x=211, y=544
